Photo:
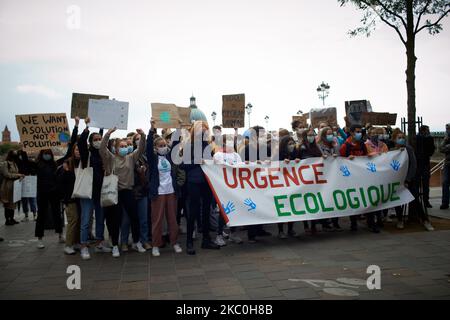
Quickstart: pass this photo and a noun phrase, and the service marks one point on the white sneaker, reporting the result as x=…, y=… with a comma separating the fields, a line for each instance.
x=69, y=250
x=388, y=219
x=40, y=245
x=282, y=235
x=177, y=248
x=155, y=252
x=85, y=254
x=139, y=248
x=428, y=226
x=219, y=241
x=101, y=248
x=25, y=219
x=400, y=225
x=235, y=238
x=124, y=247
x=115, y=252
x=225, y=235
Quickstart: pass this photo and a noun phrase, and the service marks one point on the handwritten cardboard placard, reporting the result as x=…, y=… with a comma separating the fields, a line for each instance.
x=165, y=115
x=43, y=131
x=233, y=111
x=354, y=110
x=185, y=116
x=327, y=115
x=303, y=120
x=379, y=118
x=29, y=187
x=80, y=104
x=108, y=114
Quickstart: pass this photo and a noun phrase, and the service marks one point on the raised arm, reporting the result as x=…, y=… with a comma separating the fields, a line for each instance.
x=106, y=155
x=83, y=145
x=137, y=154
x=150, y=141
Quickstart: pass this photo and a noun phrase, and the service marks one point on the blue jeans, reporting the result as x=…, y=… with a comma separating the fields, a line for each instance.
x=124, y=228
x=446, y=185
x=87, y=206
x=31, y=202
x=142, y=210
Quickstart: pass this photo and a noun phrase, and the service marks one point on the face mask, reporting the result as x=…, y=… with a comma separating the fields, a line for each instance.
x=386, y=137
x=401, y=142
x=291, y=148
x=47, y=157
x=311, y=139
x=113, y=150
x=130, y=149
x=330, y=138
x=358, y=136
x=20, y=158
x=96, y=144
x=123, y=151
x=162, y=151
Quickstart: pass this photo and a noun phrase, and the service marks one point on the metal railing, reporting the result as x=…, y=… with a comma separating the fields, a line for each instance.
x=437, y=167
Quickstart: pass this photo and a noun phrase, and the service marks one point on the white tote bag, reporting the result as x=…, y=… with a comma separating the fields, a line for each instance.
x=110, y=190
x=83, y=181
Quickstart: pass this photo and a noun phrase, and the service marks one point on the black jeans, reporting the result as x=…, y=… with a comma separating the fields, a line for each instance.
x=44, y=202
x=200, y=197
x=128, y=204
x=423, y=177
x=113, y=218
x=281, y=226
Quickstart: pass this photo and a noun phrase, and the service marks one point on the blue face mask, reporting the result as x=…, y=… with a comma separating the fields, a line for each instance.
x=130, y=149
x=47, y=157
x=401, y=142
x=113, y=150
x=330, y=138
x=123, y=151
x=358, y=136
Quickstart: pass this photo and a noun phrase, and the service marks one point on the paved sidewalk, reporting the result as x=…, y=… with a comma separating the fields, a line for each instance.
x=413, y=266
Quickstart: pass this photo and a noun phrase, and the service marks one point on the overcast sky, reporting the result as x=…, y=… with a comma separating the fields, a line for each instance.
x=276, y=52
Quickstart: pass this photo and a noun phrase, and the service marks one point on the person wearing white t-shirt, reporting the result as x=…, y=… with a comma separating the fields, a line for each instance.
x=227, y=154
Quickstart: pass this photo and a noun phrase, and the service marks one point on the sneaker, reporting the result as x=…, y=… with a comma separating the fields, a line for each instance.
x=101, y=248
x=34, y=216
x=77, y=247
x=235, y=238
x=177, y=248
x=428, y=205
x=444, y=207
x=225, y=235
x=26, y=219
x=139, y=248
x=85, y=254
x=40, y=245
x=190, y=249
x=155, y=252
x=388, y=219
x=428, y=226
x=219, y=241
x=9, y=223
x=125, y=248
x=14, y=221
x=69, y=250
x=115, y=252
x=282, y=235
x=400, y=225
x=147, y=246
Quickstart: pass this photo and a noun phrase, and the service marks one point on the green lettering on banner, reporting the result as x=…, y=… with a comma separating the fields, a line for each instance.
x=293, y=208
x=384, y=199
x=394, y=191
x=377, y=192
x=280, y=206
x=322, y=205
x=308, y=208
x=363, y=197
x=344, y=200
x=356, y=204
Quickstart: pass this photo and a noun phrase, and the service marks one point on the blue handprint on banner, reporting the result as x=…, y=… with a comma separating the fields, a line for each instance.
x=229, y=208
x=371, y=167
x=345, y=171
x=395, y=165
x=249, y=203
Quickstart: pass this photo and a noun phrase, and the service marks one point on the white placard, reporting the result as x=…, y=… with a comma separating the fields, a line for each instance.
x=29, y=187
x=108, y=114
x=17, y=195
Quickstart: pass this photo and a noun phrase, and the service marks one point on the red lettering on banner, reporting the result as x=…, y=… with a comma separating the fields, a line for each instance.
x=255, y=177
x=246, y=178
x=225, y=178
x=301, y=175
x=273, y=178
x=318, y=173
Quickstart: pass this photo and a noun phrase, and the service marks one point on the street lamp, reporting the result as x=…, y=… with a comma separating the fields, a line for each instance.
x=323, y=90
x=213, y=116
x=267, y=122
x=249, y=108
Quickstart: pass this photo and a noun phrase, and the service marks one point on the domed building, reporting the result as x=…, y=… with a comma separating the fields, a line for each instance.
x=196, y=113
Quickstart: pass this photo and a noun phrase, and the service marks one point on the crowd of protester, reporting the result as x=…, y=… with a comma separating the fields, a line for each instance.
x=154, y=191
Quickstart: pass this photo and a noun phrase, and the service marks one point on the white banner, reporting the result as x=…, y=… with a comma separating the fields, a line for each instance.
x=108, y=114
x=313, y=189
x=17, y=193
x=29, y=187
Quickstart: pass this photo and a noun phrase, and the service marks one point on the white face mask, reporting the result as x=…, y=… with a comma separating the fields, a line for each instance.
x=162, y=151
x=96, y=144
x=311, y=139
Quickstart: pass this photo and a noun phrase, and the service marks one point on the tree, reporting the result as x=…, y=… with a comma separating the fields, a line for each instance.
x=406, y=18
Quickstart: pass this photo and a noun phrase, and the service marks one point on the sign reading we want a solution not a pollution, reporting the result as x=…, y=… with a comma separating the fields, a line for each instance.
x=315, y=188
x=43, y=131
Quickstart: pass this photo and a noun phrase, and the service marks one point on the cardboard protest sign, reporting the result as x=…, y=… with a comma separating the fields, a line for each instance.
x=80, y=104
x=233, y=111
x=165, y=115
x=379, y=118
x=108, y=114
x=185, y=116
x=43, y=131
x=354, y=110
x=29, y=187
x=303, y=120
x=328, y=115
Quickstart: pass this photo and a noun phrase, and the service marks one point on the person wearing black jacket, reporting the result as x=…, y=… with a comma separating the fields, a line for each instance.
x=199, y=193
x=424, y=150
x=27, y=168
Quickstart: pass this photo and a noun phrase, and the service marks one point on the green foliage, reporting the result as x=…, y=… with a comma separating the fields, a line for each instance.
x=4, y=148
